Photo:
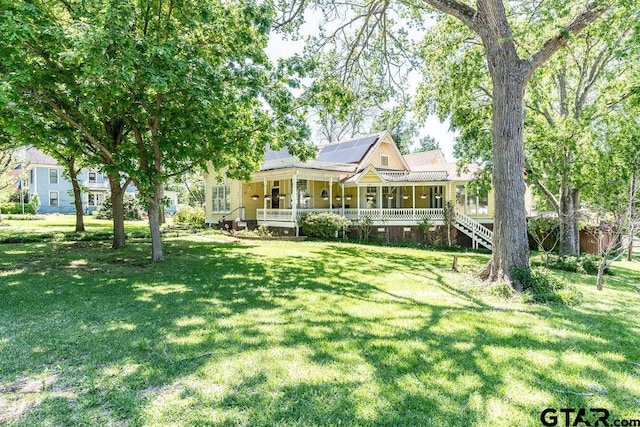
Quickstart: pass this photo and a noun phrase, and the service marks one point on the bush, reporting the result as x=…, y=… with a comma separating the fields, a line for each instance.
x=132, y=209
x=35, y=202
x=16, y=208
x=189, y=216
x=541, y=286
x=585, y=264
x=323, y=225
x=364, y=228
x=25, y=217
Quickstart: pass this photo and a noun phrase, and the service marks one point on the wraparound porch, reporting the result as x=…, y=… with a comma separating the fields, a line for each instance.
x=479, y=234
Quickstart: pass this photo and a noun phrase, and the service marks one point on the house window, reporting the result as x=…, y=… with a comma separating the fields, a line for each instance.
x=95, y=199
x=53, y=176
x=384, y=160
x=483, y=204
x=303, y=194
x=53, y=198
x=92, y=177
x=460, y=198
x=371, y=197
x=31, y=175
x=471, y=204
x=220, y=197
x=477, y=204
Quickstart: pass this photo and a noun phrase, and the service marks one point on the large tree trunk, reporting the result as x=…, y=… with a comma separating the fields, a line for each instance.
x=161, y=211
x=154, y=203
x=569, y=225
x=632, y=215
x=117, y=204
x=77, y=199
x=510, y=241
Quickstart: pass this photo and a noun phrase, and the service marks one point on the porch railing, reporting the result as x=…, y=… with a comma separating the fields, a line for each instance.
x=394, y=176
x=376, y=214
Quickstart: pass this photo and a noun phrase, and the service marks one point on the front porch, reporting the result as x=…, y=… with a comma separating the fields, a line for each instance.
x=288, y=218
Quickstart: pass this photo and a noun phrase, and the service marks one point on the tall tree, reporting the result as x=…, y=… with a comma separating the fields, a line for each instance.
x=427, y=143
x=567, y=103
x=155, y=87
x=509, y=69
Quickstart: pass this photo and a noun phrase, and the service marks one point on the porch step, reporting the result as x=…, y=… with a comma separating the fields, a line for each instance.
x=479, y=233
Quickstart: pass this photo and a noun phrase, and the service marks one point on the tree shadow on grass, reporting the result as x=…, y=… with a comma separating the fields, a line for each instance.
x=220, y=335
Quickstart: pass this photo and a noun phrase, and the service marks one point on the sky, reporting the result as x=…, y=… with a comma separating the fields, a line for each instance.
x=280, y=48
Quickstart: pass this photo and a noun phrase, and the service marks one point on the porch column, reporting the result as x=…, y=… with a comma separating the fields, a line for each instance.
x=342, y=197
x=358, y=199
x=331, y=194
x=294, y=198
x=413, y=200
x=264, y=200
x=380, y=197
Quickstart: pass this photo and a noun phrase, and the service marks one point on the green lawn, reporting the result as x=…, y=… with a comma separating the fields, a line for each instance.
x=58, y=224
x=298, y=333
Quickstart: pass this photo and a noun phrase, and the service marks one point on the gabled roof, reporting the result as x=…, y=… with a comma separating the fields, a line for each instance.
x=37, y=157
x=354, y=157
x=466, y=174
x=417, y=161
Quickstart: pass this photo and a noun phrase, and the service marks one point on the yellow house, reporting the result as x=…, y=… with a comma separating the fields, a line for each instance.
x=360, y=178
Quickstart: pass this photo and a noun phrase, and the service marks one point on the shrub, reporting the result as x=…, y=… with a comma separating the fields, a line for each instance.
x=35, y=202
x=424, y=226
x=263, y=231
x=25, y=217
x=189, y=216
x=132, y=209
x=364, y=227
x=541, y=286
x=16, y=208
x=586, y=264
x=323, y=225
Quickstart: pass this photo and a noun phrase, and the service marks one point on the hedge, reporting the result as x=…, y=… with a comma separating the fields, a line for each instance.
x=15, y=208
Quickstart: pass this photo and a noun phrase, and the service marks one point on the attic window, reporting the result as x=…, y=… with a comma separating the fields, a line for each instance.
x=384, y=160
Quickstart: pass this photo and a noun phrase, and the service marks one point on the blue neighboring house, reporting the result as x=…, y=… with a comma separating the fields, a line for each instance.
x=45, y=177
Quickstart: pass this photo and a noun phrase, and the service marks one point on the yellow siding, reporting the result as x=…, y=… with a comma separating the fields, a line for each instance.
x=316, y=193
x=235, y=197
x=395, y=162
x=370, y=177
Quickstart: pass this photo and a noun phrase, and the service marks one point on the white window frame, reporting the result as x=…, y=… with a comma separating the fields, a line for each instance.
x=95, y=177
x=95, y=199
x=57, y=198
x=57, y=176
x=384, y=163
x=221, y=198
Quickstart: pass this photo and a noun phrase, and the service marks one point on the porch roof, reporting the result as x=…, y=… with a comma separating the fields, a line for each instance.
x=387, y=176
x=293, y=162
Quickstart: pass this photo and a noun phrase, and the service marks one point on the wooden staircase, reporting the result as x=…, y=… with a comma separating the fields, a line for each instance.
x=480, y=235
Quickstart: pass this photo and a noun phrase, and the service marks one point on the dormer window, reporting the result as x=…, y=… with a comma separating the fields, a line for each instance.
x=384, y=160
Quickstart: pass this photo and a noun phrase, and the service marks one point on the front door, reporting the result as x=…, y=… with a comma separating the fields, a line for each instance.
x=275, y=198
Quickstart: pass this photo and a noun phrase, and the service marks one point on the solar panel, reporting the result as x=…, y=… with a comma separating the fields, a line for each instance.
x=348, y=151
x=276, y=155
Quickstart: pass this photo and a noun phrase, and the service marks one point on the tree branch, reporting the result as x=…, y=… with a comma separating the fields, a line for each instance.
x=577, y=24
x=459, y=10
x=550, y=196
x=94, y=141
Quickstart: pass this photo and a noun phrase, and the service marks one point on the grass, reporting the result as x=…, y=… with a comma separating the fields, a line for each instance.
x=299, y=333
